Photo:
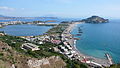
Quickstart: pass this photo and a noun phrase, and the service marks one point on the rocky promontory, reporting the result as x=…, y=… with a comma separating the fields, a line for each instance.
x=95, y=19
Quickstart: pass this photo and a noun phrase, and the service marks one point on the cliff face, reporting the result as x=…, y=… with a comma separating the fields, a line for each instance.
x=95, y=19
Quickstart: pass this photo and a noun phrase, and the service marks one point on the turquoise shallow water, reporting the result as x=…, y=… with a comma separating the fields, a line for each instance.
x=98, y=39
x=25, y=30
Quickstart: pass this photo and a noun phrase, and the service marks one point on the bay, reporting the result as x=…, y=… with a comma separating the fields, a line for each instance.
x=98, y=39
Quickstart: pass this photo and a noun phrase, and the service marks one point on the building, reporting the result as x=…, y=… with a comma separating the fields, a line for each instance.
x=30, y=46
x=55, y=41
x=2, y=34
x=0, y=25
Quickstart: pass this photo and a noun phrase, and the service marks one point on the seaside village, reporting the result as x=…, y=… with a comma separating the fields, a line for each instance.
x=10, y=23
x=65, y=49
x=2, y=24
x=66, y=45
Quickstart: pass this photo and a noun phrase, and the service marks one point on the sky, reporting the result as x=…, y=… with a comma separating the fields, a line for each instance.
x=61, y=8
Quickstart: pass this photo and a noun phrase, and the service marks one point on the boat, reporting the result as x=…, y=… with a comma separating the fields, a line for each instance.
x=80, y=32
x=76, y=38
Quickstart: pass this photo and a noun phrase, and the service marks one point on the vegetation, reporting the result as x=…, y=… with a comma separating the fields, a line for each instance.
x=38, y=21
x=46, y=50
x=16, y=42
x=73, y=63
x=1, y=55
x=65, y=22
x=47, y=24
x=58, y=29
x=95, y=19
x=115, y=66
x=13, y=41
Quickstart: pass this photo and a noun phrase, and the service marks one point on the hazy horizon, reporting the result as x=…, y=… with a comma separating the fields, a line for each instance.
x=60, y=8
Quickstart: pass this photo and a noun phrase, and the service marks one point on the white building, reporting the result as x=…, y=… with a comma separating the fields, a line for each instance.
x=30, y=46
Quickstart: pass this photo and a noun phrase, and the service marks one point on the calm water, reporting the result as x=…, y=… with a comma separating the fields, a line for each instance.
x=98, y=39
x=25, y=30
x=30, y=30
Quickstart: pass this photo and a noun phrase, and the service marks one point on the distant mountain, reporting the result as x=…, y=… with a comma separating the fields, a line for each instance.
x=95, y=19
x=2, y=16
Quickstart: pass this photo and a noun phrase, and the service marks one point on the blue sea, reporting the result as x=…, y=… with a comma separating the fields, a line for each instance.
x=98, y=39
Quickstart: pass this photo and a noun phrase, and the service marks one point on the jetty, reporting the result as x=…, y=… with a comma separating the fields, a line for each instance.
x=77, y=35
x=109, y=58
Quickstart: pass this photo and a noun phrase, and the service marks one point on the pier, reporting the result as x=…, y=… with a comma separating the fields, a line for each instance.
x=109, y=58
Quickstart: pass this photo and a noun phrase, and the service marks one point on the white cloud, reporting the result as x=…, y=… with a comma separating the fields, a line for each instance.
x=6, y=8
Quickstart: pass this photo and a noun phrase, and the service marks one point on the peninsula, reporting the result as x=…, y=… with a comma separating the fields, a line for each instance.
x=57, y=42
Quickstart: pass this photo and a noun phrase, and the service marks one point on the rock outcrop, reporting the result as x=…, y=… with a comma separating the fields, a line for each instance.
x=51, y=62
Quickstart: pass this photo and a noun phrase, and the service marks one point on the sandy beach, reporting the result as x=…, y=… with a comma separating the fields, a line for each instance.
x=72, y=42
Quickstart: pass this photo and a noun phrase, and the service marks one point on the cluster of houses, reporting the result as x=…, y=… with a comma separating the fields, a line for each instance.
x=67, y=50
x=16, y=22
x=43, y=39
x=10, y=23
x=39, y=40
x=22, y=22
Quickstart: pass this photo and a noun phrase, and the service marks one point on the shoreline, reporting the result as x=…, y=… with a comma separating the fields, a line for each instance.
x=97, y=61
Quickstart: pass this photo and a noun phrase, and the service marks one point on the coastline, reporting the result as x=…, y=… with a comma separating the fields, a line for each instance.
x=90, y=59
x=81, y=56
